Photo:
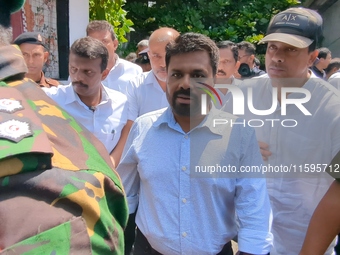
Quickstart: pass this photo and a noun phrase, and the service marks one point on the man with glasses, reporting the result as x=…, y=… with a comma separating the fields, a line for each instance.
x=246, y=56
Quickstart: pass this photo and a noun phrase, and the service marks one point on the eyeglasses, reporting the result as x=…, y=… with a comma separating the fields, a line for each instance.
x=240, y=57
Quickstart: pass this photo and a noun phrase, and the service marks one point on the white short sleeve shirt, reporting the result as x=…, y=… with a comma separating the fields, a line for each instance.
x=335, y=80
x=121, y=74
x=145, y=95
x=106, y=121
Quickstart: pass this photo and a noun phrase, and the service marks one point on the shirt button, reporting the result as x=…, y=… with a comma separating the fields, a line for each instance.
x=184, y=234
x=184, y=200
x=184, y=168
x=186, y=137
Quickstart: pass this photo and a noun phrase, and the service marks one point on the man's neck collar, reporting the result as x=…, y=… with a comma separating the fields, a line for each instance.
x=113, y=62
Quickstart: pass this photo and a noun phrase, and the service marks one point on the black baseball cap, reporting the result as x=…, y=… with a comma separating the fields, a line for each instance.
x=6, y=8
x=298, y=27
x=30, y=37
x=143, y=57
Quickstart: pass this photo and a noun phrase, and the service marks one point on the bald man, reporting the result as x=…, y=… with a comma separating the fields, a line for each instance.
x=146, y=93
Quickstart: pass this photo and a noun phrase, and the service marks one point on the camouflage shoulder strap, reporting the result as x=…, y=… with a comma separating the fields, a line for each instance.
x=23, y=141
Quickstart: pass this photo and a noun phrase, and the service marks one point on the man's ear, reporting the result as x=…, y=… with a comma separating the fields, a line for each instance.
x=115, y=44
x=237, y=65
x=105, y=73
x=252, y=60
x=313, y=55
x=46, y=54
x=335, y=69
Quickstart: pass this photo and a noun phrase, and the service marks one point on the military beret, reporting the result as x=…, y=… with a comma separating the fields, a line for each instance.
x=7, y=7
x=30, y=37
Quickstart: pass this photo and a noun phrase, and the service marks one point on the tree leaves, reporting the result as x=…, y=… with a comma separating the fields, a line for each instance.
x=220, y=19
x=111, y=11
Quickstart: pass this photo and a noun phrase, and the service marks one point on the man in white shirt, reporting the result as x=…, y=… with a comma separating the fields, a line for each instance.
x=121, y=71
x=146, y=93
x=227, y=66
x=299, y=132
x=335, y=80
x=101, y=110
x=181, y=210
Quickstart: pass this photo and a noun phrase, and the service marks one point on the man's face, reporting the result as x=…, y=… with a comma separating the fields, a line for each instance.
x=34, y=56
x=227, y=65
x=246, y=58
x=286, y=61
x=325, y=61
x=157, y=59
x=183, y=94
x=106, y=39
x=86, y=75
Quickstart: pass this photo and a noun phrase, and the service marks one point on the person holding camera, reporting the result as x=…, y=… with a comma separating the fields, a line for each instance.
x=246, y=56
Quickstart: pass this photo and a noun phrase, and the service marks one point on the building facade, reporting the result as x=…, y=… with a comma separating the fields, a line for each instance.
x=60, y=22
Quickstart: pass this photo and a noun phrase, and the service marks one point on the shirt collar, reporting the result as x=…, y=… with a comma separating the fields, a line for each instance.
x=42, y=82
x=208, y=122
x=73, y=96
x=152, y=80
x=118, y=61
x=167, y=117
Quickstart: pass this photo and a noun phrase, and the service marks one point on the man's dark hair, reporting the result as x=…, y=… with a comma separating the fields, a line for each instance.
x=91, y=48
x=323, y=52
x=100, y=25
x=249, y=48
x=335, y=62
x=192, y=42
x=229, y=45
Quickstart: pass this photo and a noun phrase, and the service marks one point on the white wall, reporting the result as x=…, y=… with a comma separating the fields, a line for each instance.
x=79, y=18
x=331, y=29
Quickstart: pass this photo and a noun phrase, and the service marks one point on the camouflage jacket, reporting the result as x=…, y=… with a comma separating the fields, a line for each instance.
x=58, y=192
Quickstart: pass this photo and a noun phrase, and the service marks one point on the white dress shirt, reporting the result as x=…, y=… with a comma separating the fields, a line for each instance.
x=105, y=121
x=315, y=140
x=335, y=80
x=120, y=74
x=185, y=211
x=145, y=95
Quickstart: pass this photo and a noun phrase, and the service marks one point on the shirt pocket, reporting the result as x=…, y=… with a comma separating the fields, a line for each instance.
x=108, y=139
x=70, y=237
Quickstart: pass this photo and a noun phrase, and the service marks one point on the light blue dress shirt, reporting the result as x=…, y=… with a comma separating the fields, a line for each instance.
x=182, y=209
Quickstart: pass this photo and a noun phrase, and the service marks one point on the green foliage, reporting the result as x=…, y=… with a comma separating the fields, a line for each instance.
x=219, y=19
x=111, y=11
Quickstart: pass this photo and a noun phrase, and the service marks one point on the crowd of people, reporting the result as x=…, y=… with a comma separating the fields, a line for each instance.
x=180, y=148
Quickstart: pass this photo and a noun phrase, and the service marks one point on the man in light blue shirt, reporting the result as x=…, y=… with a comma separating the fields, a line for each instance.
x=185, y=172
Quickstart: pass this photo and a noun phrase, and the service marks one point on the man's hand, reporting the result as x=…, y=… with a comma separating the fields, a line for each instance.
x=264, y=148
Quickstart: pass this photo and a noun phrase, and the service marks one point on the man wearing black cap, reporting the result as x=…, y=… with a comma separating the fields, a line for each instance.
x=297, y=121
x=35, y=54
x=143, y=60
x=58, y=192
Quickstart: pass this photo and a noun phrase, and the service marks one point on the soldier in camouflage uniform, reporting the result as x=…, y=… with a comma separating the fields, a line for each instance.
x=58, y=193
